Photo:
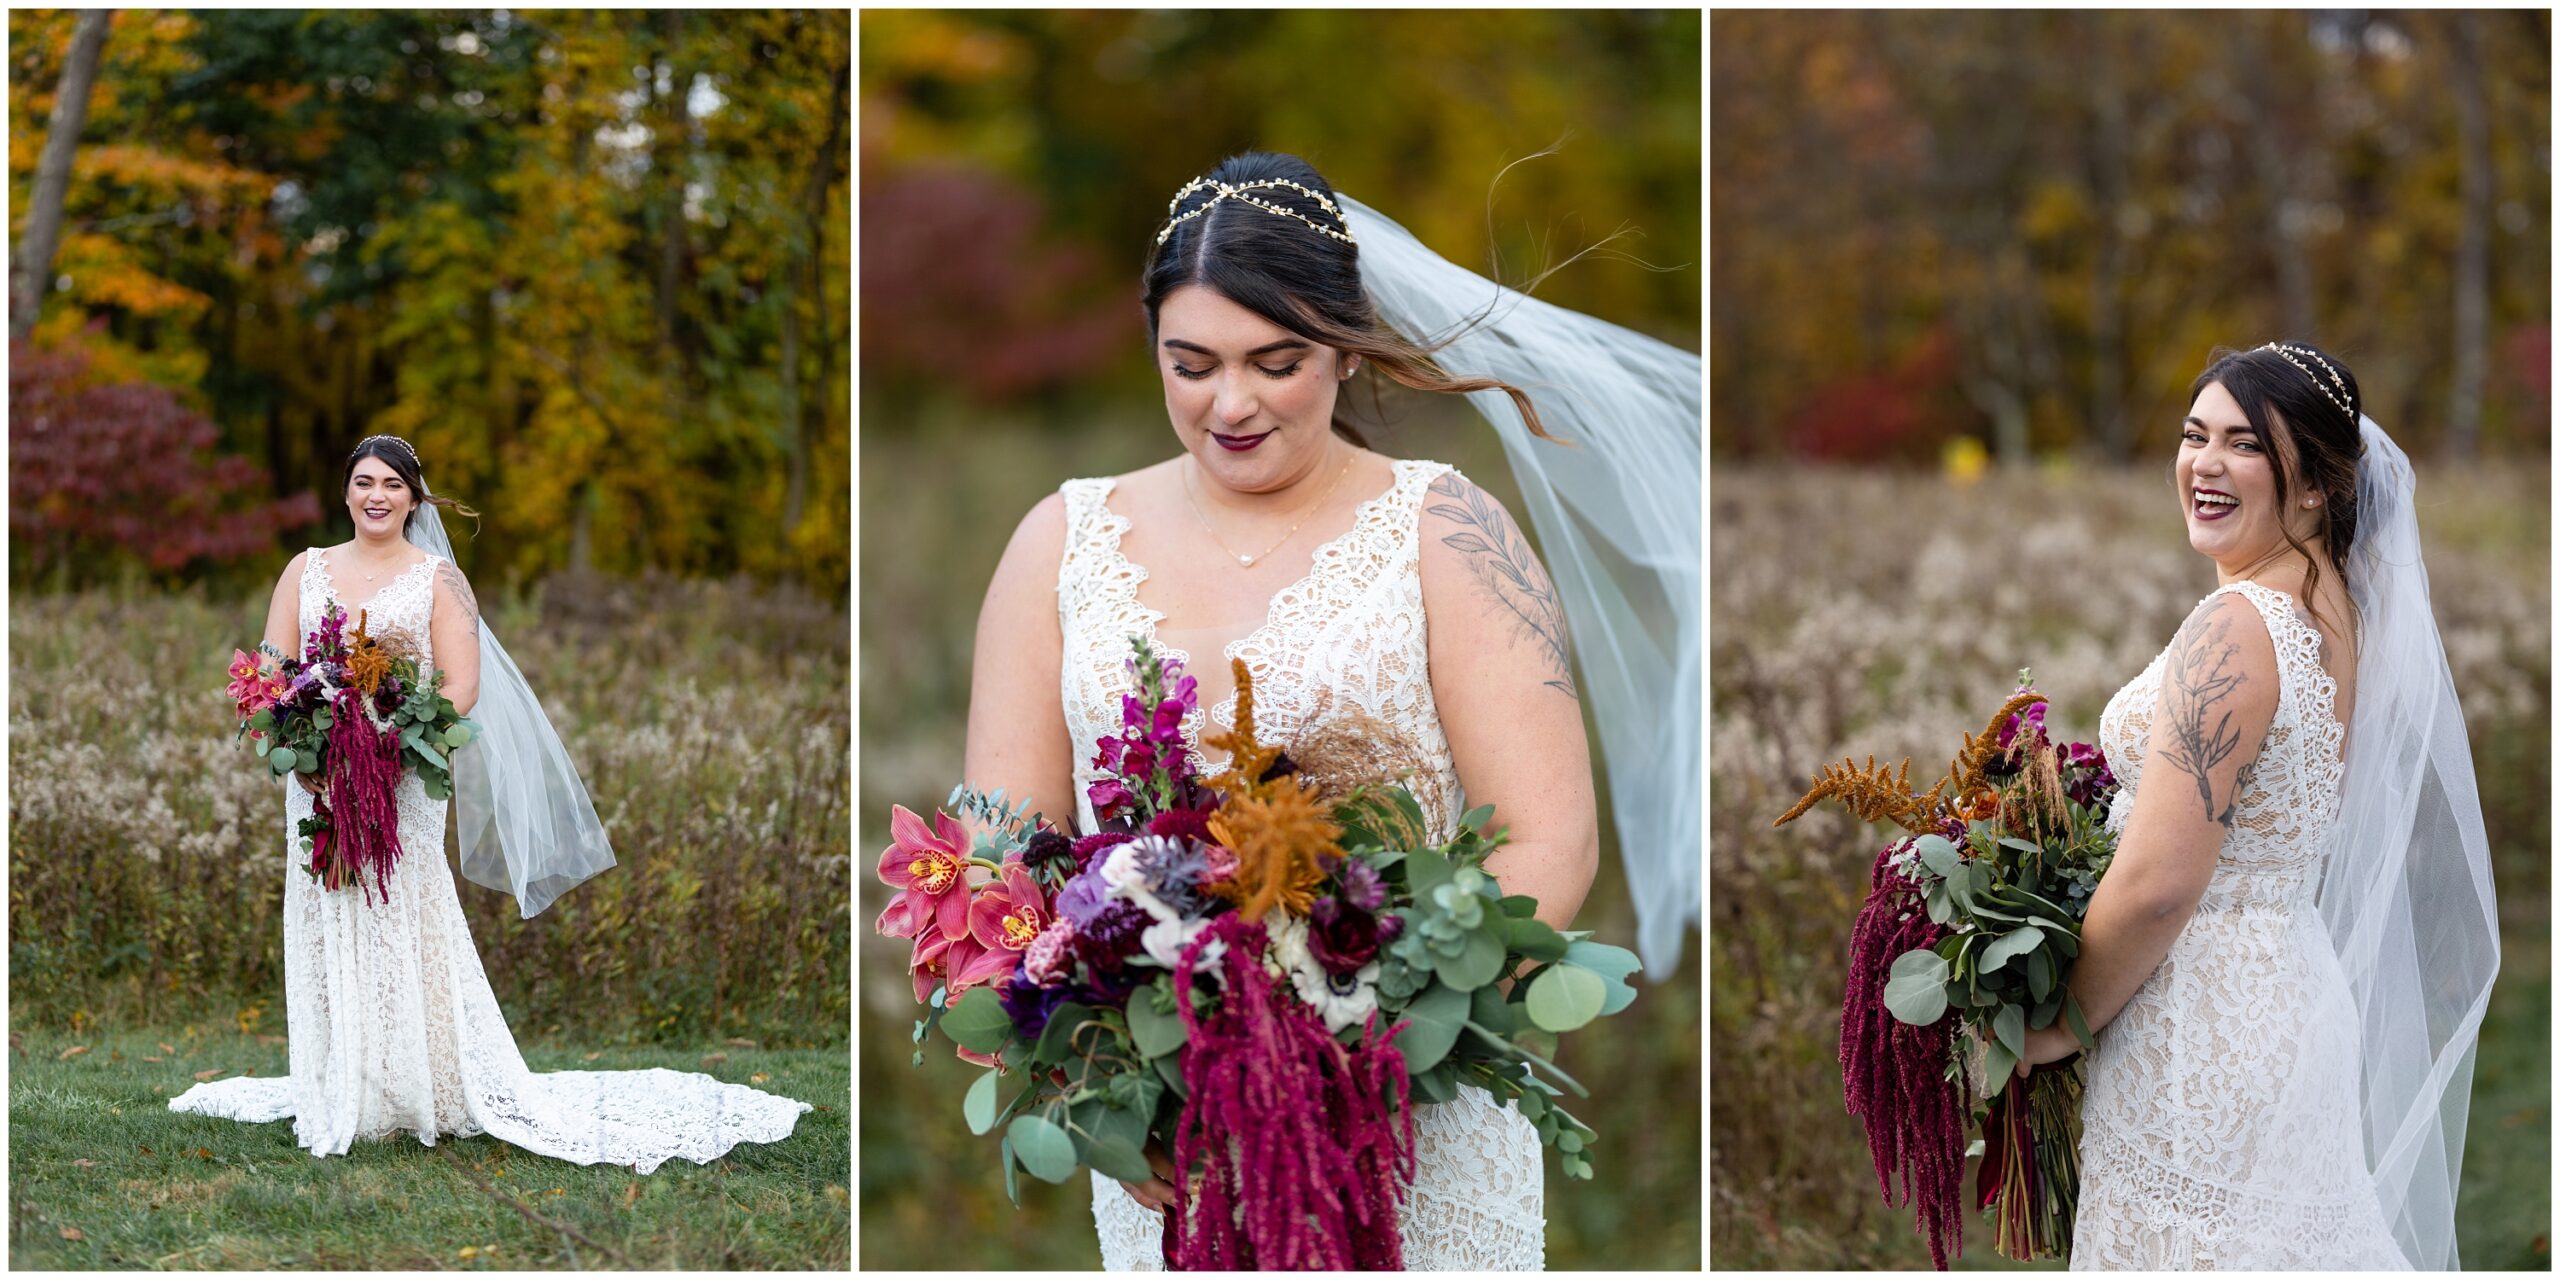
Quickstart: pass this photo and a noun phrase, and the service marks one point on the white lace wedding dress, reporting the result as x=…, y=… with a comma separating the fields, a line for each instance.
x=1349, y=638
x=390, y=1022
x=2220, y=1129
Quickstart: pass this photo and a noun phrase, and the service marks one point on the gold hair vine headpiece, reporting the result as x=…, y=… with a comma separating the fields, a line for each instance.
x=1237, y=190
x=2335, y=397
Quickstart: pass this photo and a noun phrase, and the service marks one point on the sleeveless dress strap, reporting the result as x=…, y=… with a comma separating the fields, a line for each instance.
x=2297, y=643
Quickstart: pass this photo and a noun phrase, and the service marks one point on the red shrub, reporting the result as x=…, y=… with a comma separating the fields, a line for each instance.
x=102, y=470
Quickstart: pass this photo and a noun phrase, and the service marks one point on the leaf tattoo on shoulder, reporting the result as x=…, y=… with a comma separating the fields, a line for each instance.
x=2202, y=735
x=1501, y=561
x=460, y=588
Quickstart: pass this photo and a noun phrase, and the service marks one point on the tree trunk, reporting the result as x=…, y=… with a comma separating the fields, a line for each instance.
x=810, y=269
x=2112, y=178
x=2284, y=239
x=33, y=270
x=2471, y=259
x=675, y=143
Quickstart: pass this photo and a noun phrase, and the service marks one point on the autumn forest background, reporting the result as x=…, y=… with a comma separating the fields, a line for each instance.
x=1966, y=264
x=595, y=266
x=1015, y=167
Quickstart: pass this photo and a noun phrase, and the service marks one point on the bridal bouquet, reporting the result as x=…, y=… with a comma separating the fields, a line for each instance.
x=352, y=711
x=1965, y=943
x=1261, y=983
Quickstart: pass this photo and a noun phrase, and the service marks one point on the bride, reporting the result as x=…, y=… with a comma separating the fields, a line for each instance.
x=2291, y=954
x=390, y=1022
x=1390, y=595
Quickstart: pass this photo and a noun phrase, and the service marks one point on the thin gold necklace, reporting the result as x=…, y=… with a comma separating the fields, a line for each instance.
x=1247, y=562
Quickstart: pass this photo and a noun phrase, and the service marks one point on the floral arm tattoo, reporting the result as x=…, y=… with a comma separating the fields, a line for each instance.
x=2201, y=733
x=1504, y=565
x=460, y=588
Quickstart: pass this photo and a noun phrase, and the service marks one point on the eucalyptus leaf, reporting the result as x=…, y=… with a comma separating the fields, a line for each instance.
x=1535, y=939
x=1433, y=1020
x=1012, y=1188
x=2022, y=846
x=1938, y=854
x=1478, y=963
x=2039, y=974
x=281, y=760
x=1916, y=992
x=1439, y=1084
x=1564, y=997
x=1999, y=1064
x=2009, y=946
x=1169, y=1069
x=1475, y=819
x=978, y=1107
x=456, y=735
x=1487, y=1008
x=2010, y=1024
x=1156, y=1033
x=1113, y=1157
x=977, y=1022
x=433, y=756
x=1044, y=1149
x=1058, y=1034
x=1425, y=871
x=2079, y=1024
x=1614, y=964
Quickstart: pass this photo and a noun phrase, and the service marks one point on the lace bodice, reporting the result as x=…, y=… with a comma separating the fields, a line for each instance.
x=2220, y=1129
x=1347, y=640
x=2287, y=797
x=398, y=612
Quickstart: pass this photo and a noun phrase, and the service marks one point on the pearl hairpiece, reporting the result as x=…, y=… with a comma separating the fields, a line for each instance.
x=2335, y=397
x=405, y=447
x=1237, y=190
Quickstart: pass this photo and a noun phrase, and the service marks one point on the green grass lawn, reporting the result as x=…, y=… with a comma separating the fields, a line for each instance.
x=104, y=1176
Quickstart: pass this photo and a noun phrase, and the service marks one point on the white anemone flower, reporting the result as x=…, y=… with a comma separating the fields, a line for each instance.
x=1345, y=1001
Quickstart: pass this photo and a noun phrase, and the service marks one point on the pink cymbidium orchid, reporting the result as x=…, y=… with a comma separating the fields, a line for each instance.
x=929, y=866
x=1004, y=920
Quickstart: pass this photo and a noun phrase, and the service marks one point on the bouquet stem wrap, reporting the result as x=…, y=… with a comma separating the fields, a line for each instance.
x=1303, y=1147
x=363, y=775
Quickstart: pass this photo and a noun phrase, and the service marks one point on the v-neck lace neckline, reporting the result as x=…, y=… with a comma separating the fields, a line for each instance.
x=321, y=562
x=1195, y=725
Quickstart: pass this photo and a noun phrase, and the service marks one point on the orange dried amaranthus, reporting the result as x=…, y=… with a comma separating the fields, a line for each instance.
x=368, y=662
x=1884, y=794
x=1279, y=832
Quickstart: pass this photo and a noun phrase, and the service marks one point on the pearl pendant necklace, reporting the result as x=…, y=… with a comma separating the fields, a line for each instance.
x=1247, y=561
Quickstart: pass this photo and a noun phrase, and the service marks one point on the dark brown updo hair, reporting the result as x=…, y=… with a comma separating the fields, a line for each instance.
x=2309, y=406
x=1296, y=277
x=403, y=461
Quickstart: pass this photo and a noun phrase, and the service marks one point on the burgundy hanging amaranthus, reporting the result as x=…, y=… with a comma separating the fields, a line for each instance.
x=1895, y=1073
x=1303, y=1148
x=363, y=771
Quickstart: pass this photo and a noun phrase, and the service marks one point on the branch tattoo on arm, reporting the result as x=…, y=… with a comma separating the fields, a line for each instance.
x=460, y=588
x=1502, y=562
x=2202, y=735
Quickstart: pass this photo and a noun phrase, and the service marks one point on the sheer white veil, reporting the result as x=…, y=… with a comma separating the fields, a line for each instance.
x=1617, y=513
x=2406, y=891
x=526, y=826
